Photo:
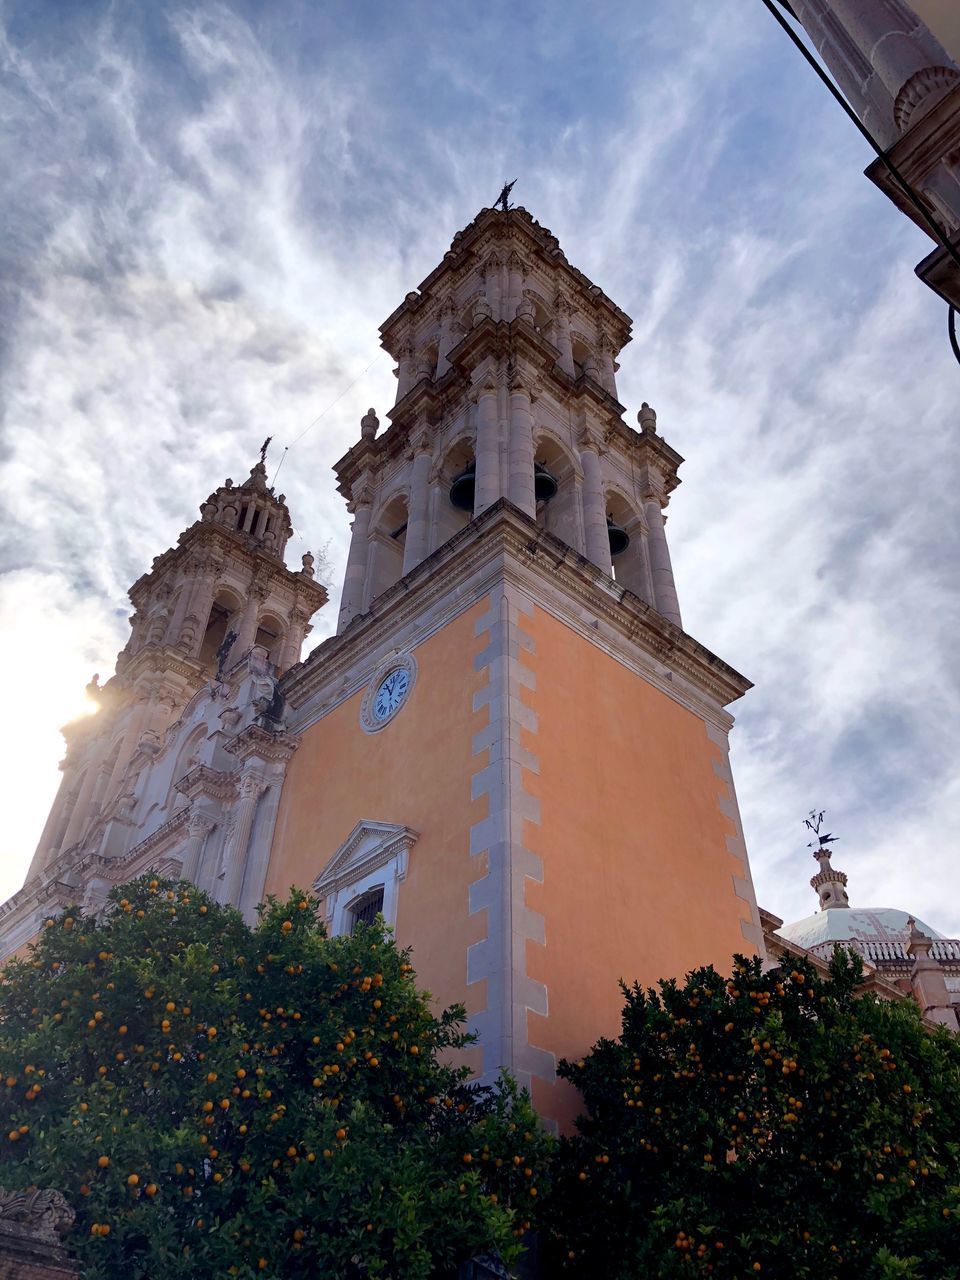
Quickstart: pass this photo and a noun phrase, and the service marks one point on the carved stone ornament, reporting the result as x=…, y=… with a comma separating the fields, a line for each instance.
x=45, y=1213
x=396, y=660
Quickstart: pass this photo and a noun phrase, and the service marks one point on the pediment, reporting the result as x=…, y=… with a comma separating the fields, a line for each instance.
x=368, y=846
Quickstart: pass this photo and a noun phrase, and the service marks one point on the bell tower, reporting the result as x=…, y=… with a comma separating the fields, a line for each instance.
x=511, y=748
x=206, y=603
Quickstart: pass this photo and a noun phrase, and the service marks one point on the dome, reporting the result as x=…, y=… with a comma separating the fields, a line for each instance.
x=852, y=925
x=873, y=931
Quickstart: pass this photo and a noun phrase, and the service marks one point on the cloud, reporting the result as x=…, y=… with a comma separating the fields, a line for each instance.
x=213, y=208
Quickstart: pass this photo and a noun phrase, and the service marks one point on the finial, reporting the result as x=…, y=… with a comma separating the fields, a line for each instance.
x=503, y=198
x=829, y=883
x=369, y=424
x=647, y=418
x=263, y=450
x=308, y=561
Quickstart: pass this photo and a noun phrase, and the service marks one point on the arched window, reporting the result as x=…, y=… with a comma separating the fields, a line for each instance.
x=631, y=566
x=385, y=563
x=561, y=515
x=582, y=354
x=455, y=507
x=270, y=632
x=221, y=620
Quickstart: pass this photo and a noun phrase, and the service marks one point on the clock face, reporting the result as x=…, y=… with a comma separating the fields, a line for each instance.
x=391, y=692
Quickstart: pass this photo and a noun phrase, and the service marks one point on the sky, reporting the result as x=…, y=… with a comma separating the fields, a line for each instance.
x=207, y=211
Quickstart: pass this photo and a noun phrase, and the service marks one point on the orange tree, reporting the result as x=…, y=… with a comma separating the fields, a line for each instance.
x=219, y=1100
x=775, y=1124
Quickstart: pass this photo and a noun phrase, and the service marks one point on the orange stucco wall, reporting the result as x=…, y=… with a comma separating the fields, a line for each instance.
x=637, y=880
x=416, y=772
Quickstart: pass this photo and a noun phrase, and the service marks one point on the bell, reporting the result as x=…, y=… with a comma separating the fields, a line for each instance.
x=619, y=538
x=544, y=484
x=463, y=487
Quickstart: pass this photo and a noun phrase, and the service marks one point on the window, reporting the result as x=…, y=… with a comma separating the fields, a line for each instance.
x=362, y=878
x=366, y=908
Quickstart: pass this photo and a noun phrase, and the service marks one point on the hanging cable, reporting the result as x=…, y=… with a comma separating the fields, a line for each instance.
x=895, y=173
x=323, y=413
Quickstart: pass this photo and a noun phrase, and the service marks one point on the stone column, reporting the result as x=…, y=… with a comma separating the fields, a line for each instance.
x=79, y=818
x=179, y=614
x=521, y=488
x=259, y=857
x=406, y=370
x=247, y=631
x=491, y=286
x=353, y=579
x=564, y=342
x=190, y=634
x=293, y=640
x=199, y=825
x=608, y=377
x=515, y=286
x=418, y=511
x=235, y=851
x=487, y=490
x=448, y=336
x=664, y=590
x=594, y=508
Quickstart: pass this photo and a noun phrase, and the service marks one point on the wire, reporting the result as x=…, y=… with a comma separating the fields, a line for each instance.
x=323, y=413
x=895, y=173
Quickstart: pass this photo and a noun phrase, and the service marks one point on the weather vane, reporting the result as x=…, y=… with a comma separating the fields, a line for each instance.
x=503, y=198
x=813, y=823
x=263, y=449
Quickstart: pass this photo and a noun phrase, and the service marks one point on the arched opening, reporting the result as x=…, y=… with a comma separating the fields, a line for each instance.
x=387, y=540
x=542, y=316
x=630, y=566
x=270, y=633
x=452, y=518
x=561, y=515
x=222, y=619
x=582, y=355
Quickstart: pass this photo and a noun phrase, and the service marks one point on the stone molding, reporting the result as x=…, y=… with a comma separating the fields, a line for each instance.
x=497, y=843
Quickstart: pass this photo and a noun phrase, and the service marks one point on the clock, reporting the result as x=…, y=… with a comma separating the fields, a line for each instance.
x=390, y=695
x=387, y=690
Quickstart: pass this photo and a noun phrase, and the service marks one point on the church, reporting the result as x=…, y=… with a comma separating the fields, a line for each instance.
x=511, y=748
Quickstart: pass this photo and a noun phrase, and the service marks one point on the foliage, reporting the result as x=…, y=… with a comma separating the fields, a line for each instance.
x=774, y=1124
x=219, y=1100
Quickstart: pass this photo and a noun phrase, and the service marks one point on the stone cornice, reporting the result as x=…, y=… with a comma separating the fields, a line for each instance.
x=215, y=541
x=207, y=783
x=503, y=542
x=431, y=400
x=255, y=742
